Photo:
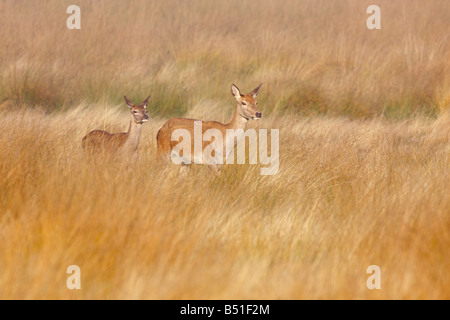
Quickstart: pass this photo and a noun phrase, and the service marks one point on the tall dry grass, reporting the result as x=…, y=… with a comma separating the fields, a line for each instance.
x=350, y=192
x=313, y=56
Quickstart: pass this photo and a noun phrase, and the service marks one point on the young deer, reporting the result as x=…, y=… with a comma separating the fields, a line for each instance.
x=246, y=109
x=127, y=142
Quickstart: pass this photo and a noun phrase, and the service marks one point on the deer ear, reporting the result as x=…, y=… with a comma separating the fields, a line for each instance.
x=235, y=92
x=144, y=104
x=129, y=103
x=254, y=92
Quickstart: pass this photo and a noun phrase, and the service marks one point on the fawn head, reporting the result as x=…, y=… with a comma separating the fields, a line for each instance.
x=247, y=102
x=139, y=112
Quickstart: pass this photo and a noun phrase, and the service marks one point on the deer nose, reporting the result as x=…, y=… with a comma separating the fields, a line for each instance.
x=258, y=114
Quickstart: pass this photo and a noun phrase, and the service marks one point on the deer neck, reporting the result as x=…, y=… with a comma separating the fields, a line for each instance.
x=238, y=121
x=238, y=124
x=133, y=135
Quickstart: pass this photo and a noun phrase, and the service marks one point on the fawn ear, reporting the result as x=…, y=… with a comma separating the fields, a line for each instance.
x=235, y=92
x=129, y=103
x=254, y=92
x=144, y=104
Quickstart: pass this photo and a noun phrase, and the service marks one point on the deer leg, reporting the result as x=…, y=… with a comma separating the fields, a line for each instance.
x=214, y=169
x=135, y=157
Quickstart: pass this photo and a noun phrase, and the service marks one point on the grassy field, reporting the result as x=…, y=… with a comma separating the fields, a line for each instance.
x=313, y=56
x=364, y=150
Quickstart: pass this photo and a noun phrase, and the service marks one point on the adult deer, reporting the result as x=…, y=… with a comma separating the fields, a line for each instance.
x=126, y=142
x=246, y=109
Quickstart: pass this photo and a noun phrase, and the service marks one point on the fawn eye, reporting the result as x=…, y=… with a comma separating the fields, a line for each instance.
x=243, y=103
x=135, y=112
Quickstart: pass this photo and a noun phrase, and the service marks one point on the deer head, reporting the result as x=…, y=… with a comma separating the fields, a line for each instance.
x=138, y=112
x=248, y=106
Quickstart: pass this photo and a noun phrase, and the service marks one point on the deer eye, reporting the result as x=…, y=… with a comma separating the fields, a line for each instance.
x=135, y=112
x=243, y=103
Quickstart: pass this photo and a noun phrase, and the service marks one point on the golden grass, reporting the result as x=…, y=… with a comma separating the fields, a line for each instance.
x=353, y=189
x=313, y=56
x=348, y=194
